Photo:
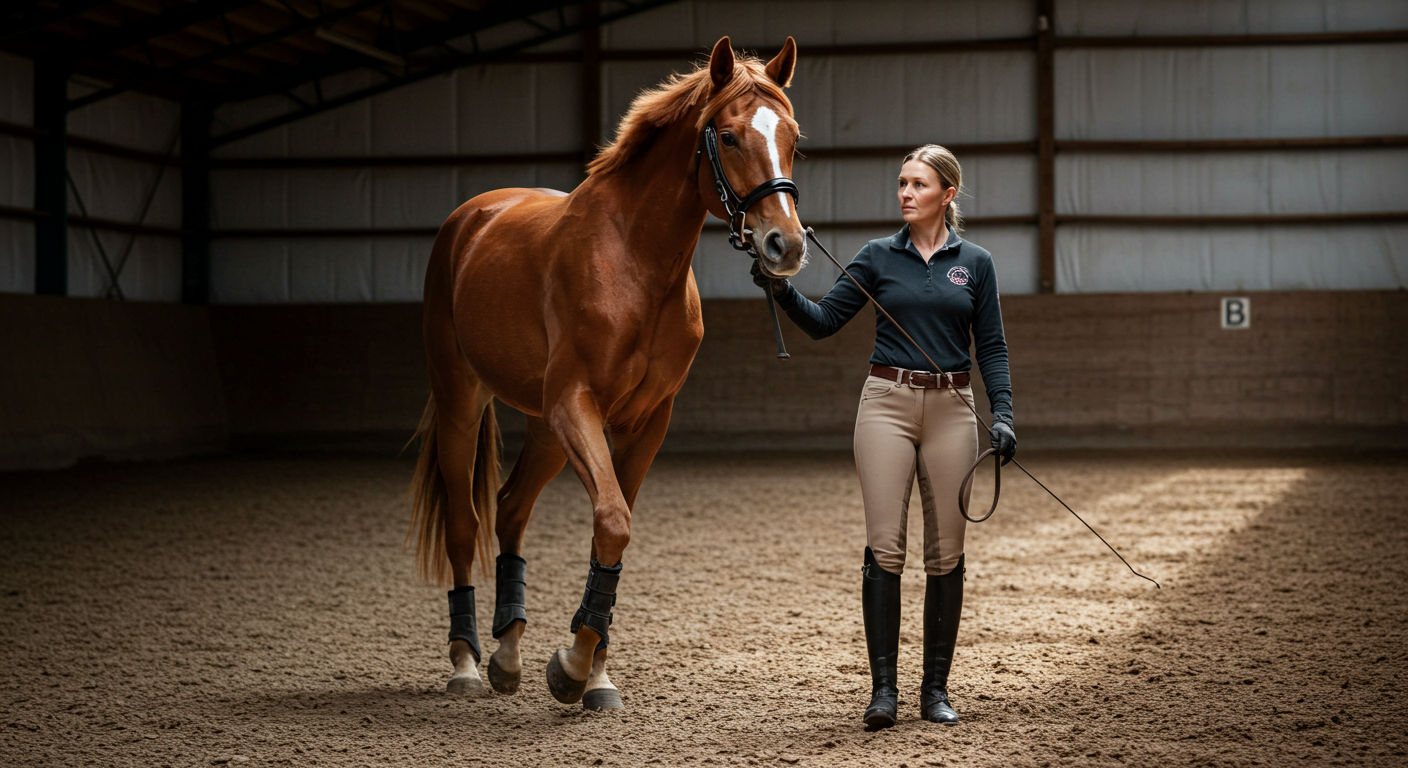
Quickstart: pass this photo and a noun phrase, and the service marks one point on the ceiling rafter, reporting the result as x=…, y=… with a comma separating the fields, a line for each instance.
x=461, y=24
x=151, y=76
x=39, y=19
x=172, y=20
x=445, y=65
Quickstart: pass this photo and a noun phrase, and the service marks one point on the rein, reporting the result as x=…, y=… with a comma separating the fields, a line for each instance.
x=996, y=465
x=737, y=209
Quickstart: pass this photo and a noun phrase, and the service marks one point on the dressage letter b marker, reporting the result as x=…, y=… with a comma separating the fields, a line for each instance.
x=1237, y=313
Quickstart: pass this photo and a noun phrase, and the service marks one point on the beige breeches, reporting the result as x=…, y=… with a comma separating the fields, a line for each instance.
x=901, y=432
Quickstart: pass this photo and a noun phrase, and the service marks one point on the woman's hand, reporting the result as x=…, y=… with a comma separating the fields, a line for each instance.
x=1004, y=440
x=775, y=285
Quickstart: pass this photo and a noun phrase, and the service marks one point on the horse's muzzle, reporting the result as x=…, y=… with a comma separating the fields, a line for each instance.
x=781, y=255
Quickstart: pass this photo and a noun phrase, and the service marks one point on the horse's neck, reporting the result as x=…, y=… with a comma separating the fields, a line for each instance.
x=654, y=200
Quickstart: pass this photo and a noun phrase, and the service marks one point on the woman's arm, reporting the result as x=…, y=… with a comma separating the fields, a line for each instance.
x=991, y=344
x=823, y=318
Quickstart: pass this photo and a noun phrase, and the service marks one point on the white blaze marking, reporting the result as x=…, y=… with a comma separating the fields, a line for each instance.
x=765, y=121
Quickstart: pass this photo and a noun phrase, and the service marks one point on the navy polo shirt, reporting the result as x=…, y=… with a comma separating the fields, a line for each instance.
x=943, y=304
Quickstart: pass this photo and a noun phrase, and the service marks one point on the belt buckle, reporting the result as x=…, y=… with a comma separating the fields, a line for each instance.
x=911, y=383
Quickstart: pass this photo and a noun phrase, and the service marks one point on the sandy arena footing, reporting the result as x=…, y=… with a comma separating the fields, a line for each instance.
x=262, y=612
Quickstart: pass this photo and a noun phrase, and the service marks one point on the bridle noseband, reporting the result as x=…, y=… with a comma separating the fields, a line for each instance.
x=736, y=207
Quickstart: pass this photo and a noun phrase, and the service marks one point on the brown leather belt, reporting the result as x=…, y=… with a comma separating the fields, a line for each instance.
x=919, y=379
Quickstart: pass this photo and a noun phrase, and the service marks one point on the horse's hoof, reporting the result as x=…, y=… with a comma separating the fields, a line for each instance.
x=602, y=698
x=562, y=686
x=501, y=679
x=464, y=685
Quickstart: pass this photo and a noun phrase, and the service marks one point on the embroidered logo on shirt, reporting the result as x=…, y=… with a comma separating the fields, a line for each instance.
x=958, y=276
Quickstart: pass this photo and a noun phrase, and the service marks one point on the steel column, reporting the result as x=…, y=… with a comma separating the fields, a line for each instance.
x=50, y=176
x=1046, y=145
x=195, y=203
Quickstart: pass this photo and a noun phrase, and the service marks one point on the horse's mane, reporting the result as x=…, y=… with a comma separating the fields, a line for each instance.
x=672, y=100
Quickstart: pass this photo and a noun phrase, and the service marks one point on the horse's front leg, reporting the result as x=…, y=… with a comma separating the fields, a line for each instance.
x=577, y=421
x=635, y=449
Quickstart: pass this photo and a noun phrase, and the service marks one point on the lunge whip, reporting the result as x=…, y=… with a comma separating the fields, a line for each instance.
x=997, y=465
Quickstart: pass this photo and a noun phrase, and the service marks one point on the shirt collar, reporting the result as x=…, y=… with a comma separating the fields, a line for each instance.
x=900, y=241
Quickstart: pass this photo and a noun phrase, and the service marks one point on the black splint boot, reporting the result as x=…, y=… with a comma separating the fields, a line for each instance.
x=943, y=604
x=880, y=605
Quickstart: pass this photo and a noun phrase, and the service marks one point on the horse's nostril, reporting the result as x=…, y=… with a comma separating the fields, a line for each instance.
x=774, y=245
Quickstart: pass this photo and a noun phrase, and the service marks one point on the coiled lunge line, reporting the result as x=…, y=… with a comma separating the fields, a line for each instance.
x=997, y=465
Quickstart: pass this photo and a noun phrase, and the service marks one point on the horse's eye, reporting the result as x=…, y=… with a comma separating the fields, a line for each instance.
x=728, y=140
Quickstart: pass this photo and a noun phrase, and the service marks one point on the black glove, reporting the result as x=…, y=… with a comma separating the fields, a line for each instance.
x=776, y=285
x=1004, y=440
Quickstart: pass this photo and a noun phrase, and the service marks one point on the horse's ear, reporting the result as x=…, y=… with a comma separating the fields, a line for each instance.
x=781, y=66
x=721, y=63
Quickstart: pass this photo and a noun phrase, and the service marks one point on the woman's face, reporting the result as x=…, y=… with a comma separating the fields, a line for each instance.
x=922, y=195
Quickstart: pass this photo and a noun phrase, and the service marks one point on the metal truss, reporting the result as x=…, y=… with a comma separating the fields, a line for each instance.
x=550, y=22
x=155, y=74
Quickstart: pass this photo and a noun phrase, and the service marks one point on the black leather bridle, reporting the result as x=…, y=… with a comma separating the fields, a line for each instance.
x=737, y=207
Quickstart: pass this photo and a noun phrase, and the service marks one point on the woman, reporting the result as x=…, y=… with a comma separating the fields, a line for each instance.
x=911, y=421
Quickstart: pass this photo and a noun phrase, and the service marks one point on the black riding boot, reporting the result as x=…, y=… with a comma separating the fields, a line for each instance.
x=880, y=605
x=943, y=603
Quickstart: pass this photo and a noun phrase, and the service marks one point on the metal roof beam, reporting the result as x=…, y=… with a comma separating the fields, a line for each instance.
x=36, y=21
x=463, y=23
x=154, y=75
x=134, y=33
x=451, y=63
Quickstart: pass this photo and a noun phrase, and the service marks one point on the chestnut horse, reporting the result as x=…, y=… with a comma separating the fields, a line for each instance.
x=581, y=311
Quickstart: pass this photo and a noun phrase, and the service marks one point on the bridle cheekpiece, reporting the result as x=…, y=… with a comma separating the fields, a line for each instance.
x=736, y=207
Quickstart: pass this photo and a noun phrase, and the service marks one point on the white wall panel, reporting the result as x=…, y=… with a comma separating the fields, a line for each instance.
x=16, y=89
x=116, y=188
x=248, y=199
x=622, y=81
x=398, y=267
x=863, y=189
x=330, y=269
x=497, y=109
x=700, y=23
x=412, y=197
x=16, y=256
x=1014, y=255
x=722, y=272
x=152, y=271
x=322, y=270
x=249, y=271
x=899, y=100
x=419, y=119
x=1117, y=94
x=1131, y=259
x=1211, y=93
x=1233, y=182
x=330, y=197
x=17, y=183
x=16, y=175
x=128, y=119
x=1117, y=18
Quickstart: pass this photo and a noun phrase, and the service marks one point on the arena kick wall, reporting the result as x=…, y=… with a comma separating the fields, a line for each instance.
x=86, y=377
x=1179, y=174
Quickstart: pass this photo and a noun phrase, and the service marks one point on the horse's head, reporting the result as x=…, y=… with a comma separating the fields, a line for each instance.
x=757, y=139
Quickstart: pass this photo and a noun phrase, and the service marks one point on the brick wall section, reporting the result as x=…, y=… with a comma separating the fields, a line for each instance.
x=86, y=378
x=1097, y=370
x=309, y=374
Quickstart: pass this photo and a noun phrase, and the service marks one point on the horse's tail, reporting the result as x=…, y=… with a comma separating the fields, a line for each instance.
x=431, y=497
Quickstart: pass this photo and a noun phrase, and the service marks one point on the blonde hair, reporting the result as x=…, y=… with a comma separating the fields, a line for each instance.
x=950, y=175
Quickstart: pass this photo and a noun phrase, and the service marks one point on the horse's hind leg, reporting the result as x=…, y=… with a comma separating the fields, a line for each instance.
x=542, y=458
x=458, y=438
